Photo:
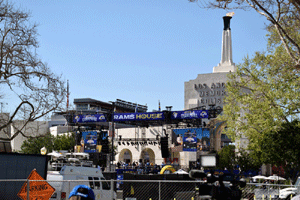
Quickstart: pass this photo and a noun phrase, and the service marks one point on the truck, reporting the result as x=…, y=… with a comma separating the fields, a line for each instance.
x=70, y=176
x=289, y=192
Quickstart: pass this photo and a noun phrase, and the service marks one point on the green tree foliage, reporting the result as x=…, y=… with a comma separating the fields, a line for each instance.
x=281, y=148
x=227, y=157
x=64, y=142
x=247, y=161
x=34, y=145
x=263, y=95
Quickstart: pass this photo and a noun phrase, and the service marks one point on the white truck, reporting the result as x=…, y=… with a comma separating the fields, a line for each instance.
x=289, y=192
x=70, y=176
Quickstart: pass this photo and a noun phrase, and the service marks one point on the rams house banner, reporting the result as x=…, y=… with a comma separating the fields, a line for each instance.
x=189, y=114
x=139, y=116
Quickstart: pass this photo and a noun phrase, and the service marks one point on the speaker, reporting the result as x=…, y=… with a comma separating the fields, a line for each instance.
x=105, y=146
x=164, y=146
x=96, y=158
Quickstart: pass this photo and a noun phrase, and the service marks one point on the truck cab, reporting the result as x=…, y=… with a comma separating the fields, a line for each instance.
x=70, y=176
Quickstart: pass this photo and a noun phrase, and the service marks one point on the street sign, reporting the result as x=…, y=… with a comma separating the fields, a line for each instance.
x=38, y=190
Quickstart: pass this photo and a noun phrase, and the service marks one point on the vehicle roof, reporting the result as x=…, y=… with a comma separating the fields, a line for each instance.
x=88, y=171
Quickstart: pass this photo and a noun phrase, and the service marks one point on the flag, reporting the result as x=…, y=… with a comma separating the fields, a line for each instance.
x=136, y=108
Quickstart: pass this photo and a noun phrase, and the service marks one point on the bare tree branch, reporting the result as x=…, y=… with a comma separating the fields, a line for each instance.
x=23, y=74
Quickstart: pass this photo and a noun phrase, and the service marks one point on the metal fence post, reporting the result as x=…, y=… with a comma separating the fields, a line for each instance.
x=112, y=188
x=159, y=190
x=28, y=182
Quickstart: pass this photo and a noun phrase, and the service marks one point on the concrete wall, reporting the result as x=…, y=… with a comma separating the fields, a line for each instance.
x=58, y=130
x=206, y=89
x=33, y=129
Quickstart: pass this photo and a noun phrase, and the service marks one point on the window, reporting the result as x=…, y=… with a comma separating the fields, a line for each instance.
x=91, y=182
x=105, y=184
x=97, y=182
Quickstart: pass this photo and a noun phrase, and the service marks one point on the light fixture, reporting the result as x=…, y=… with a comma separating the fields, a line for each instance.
x=120, y=137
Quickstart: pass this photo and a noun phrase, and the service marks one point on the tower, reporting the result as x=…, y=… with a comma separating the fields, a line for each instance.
x=226, y=64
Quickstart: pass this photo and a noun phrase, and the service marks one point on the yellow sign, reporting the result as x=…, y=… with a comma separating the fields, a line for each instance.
x=38, y=190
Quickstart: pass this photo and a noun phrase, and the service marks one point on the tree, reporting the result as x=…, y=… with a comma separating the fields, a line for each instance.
x=280, y=148
x=23, y=74
x=247, y=161
x=64, y=142
x=34, y=145
x=282, y=15
x=227, y=157
x=262, y=97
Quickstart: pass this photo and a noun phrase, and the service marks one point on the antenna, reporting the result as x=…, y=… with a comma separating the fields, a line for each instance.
x=68, y=95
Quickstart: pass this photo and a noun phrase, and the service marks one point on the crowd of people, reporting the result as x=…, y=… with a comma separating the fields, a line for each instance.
x=144, y=167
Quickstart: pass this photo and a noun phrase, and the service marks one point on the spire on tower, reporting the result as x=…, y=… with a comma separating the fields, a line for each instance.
x=226, y=64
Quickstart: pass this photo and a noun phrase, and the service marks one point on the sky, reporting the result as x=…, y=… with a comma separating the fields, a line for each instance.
x=137, y=51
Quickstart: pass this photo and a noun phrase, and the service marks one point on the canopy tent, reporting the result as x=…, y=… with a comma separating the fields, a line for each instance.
x=275, y=178
x=55, y=154
x=259, y=177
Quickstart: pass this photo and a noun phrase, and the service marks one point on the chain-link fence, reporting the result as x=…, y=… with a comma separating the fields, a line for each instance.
x=269, y=191
x=135, y=190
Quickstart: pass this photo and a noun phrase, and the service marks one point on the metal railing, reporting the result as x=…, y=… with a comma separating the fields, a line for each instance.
x=135, y=190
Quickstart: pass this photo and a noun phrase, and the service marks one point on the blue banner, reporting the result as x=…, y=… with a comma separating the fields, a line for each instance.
x=189, y=114
x=89, y=118
x=90, y=141
x=139, y=116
